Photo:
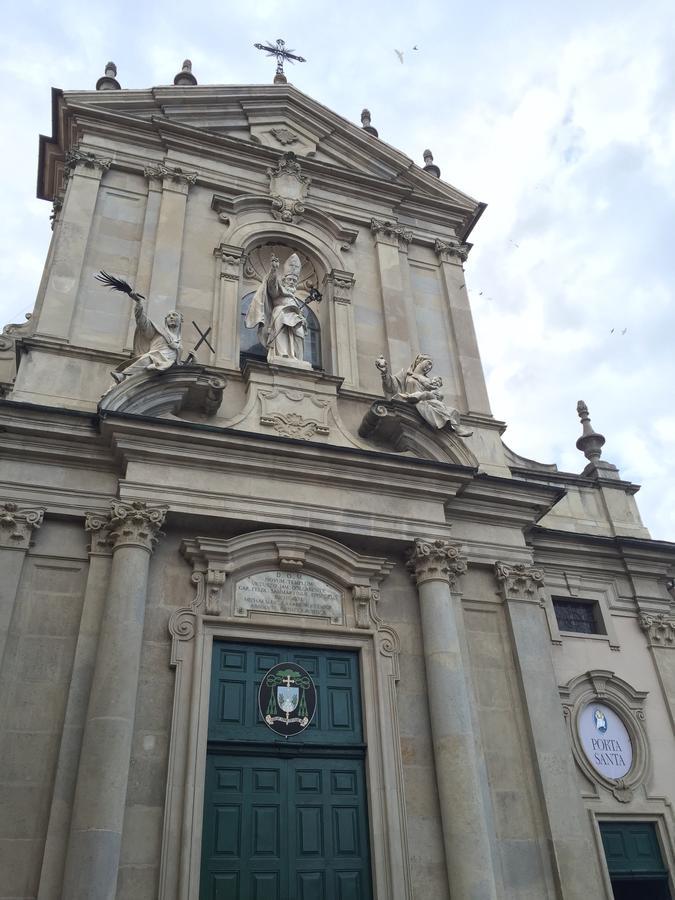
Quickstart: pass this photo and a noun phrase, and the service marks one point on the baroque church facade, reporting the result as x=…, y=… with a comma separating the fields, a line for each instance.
x=281, y=614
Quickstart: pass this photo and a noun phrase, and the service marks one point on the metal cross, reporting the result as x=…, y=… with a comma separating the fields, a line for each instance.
x=288, y=681
x=279, y=50
x=203, y=338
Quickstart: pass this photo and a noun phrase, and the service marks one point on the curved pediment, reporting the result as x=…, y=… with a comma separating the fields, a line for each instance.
x=161, y=394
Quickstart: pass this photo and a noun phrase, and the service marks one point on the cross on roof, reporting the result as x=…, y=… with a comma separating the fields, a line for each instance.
x=279, y=50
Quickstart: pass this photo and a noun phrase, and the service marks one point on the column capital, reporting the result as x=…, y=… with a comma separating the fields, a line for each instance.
x=17, y=523
x=136, y=523
x=171, y=176
x=451, y=251
x=659, y=628
x=519, y=582
x=436, y=560
x=86, y=160
x=391, y=233
x=341, y=284
x=98, y=524
x=231, y=257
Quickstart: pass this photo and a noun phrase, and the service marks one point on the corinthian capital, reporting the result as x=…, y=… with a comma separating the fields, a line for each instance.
x=17, y=524
x=519, y=582
x=136, y=523
x=391, y=232
x=98, y=526
x=449, y=250
x=436, y=561
x=76, y=157
x=659, y=628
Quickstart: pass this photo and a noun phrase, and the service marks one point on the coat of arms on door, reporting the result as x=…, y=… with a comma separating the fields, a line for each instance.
x=287, y=699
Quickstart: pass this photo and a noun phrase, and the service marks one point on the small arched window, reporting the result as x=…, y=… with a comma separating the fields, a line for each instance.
x=251, y=348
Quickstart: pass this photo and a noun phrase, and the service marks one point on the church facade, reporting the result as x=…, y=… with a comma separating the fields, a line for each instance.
x=281, y=614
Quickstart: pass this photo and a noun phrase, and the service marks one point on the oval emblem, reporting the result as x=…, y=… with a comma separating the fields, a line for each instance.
x=287, y=699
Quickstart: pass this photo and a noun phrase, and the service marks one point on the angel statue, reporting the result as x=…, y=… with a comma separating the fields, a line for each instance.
x=275, y=312
x=156, y=348
x=415, y=386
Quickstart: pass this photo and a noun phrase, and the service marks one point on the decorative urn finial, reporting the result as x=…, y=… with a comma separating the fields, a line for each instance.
x=185, y=75
x=590, y=443
x=109, y=82
x=429, y=164
x=365, y=123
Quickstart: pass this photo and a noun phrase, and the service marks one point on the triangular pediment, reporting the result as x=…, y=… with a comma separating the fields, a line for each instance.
x=276, y=118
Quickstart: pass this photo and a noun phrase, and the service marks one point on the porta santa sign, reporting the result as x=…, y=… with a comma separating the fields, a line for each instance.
x=605, y=740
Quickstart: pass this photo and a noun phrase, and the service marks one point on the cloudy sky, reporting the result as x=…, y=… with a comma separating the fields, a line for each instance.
x=559, y=115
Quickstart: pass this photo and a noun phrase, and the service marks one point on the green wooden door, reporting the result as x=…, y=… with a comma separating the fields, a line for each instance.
x=284, y=819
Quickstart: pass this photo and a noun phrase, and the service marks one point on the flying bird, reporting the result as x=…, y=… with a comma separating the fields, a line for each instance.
x=400, y=55
x=624, y=331
x=416, y=47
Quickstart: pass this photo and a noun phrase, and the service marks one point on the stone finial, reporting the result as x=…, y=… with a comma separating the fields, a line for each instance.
x=429, y=166
x=590, y=443
x=108, y=82
x=365, y=123
x=185, y=75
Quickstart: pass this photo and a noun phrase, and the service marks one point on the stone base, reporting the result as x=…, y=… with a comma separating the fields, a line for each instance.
x=274, y=360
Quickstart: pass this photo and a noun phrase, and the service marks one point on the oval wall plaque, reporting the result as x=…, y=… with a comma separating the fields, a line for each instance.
x=287, y=699
x=605, y=740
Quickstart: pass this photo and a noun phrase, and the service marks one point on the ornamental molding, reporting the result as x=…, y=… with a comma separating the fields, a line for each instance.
x=449, y=251
x=286, y=210
x=219, y=564
x=98, y=525
x=603, y=686
x=17, y=524
x=391, y=233
x=170, y=175
x=284, y=136
x=231, y=260
x=87, y=160
x=436, y=560
x=293, y=425
x=289, y=166
x=659, y=629
x=340, y=285
x=136, y=524
x=520, y=583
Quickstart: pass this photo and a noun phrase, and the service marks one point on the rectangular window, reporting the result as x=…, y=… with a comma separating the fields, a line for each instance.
x=580, y=616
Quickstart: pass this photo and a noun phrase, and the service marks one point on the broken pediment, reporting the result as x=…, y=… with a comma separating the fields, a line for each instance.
x=180, y=389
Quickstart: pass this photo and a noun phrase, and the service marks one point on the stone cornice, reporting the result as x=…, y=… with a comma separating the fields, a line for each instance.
x=17, y=524
x=436, y=560
x=519, y=583
x=659, y=629
x=136, y=524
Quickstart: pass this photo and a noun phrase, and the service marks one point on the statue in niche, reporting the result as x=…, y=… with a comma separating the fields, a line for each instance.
x=275, y=312
x=156, y=348
x=414, y=385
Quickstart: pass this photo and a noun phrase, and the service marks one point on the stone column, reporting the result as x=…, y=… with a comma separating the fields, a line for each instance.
x=338, y=287
x=227, y=320
x=163, y=295
x=436, y=566
x=574, y=856
x=399, y=317
x=100, y=795
x=71, y=236
x=16, y=528
x=53, y=860
x=659, y=629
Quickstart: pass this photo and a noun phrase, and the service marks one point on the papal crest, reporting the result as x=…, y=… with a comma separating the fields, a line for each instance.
x=287, y=699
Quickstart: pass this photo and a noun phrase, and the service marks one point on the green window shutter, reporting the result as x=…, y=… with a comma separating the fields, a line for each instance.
x=632, y=848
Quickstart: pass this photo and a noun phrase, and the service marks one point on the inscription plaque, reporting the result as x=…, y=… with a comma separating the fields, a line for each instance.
x=291, y=593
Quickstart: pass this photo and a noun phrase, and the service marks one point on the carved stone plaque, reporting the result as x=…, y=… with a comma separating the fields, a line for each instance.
x=291, y=593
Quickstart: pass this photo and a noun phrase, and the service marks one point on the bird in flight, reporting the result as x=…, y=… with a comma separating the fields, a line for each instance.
x=399, y=53
x=416, y=47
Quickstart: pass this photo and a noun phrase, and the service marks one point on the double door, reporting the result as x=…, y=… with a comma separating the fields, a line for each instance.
x=284, y=819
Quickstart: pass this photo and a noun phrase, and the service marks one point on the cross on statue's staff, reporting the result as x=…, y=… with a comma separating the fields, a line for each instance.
x=279, y=50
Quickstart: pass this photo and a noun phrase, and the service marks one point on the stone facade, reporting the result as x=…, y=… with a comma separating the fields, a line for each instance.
x=128, y=519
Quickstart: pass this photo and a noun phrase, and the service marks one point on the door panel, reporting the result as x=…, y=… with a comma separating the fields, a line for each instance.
x=284, y=819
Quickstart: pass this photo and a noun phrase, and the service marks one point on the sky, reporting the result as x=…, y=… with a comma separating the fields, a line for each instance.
x=559, y=115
